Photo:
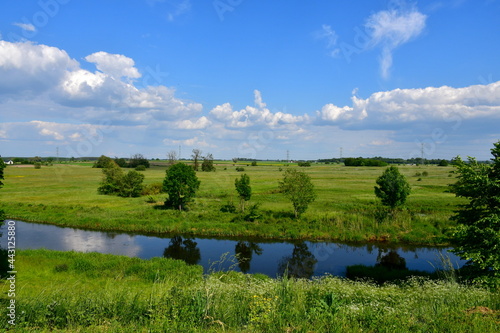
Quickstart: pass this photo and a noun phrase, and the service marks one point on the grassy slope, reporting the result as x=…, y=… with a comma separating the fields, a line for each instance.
x=79, y=292
x=346, y=208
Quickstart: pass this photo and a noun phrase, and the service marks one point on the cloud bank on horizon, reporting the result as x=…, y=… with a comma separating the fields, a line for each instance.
x=104, y=103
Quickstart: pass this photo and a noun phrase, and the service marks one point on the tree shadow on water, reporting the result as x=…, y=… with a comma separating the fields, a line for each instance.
x=300, y=264
x=186, y=250
x=244, y=252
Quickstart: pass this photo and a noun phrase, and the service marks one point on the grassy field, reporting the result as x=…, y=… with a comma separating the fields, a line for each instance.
x=90, y=292
x=346, y=208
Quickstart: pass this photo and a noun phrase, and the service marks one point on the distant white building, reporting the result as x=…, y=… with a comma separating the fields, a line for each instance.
x=9, y=162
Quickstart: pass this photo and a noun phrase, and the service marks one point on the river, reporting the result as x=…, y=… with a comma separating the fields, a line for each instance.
x=304, y=259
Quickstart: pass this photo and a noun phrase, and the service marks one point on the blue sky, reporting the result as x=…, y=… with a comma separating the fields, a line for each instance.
x=250, y=78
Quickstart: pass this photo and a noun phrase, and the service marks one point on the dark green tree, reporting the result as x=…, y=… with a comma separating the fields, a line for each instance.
x=477, y=236
x=131, y=184
x=136, y=160
x=393, y=188
x=181, y=185
x=112, y=178
x=102, y=162
x=121, y=162
x=2, y=167
x=208, y=163
x=244, y=189
x=297, y=186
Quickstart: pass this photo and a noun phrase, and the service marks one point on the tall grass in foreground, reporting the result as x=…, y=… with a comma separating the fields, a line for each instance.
x=76, y=292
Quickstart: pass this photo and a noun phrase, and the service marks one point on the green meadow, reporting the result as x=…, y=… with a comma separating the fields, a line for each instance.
x=346, y=208
x=91, y=292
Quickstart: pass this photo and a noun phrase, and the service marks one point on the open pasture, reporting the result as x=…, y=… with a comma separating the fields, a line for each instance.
x=345, y=208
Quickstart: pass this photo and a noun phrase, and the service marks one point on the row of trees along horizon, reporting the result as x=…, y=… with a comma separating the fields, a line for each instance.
x=348, y=161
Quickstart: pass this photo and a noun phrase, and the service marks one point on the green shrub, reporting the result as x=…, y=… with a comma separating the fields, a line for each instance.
x=152, y=189
x=240, y=169
x=228, y=208
x=140, y=167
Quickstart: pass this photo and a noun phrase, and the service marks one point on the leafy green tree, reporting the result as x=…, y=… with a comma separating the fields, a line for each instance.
x=443, y=163
x=208, y=163
x=131, y=184
x=297, y=186
x=102, y=162
x=477, y=236
x=121, y=162
x=244, y=189
x=2, y=166
x=181, y=185
x=112, y=179
x=138, y=159
x=393, y=188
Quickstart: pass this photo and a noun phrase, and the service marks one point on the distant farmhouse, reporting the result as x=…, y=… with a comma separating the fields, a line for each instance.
x=9, y=162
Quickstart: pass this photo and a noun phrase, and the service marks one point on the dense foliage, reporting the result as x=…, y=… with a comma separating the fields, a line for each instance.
x=298, y=188
x=360, y=161
x=103, y=162
x=181, y=185
x=208, y=163
x=136, y=160
x=244, y=189
x=114, y=181
x=393, y=188
x=477, y=237
x=2, y=167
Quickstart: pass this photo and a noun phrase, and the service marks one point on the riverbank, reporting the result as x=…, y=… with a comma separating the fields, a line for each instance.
x=345, y=209
x=90, y=292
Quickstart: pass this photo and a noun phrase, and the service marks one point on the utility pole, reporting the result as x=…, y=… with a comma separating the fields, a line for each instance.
x=422, y=152
x=179, y=158
x=287, y=156
x=57, y=154
x=340, y=152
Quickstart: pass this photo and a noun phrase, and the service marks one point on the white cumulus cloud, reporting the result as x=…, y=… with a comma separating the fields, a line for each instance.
x=114, y=65
x=258, y=115
x=392, y=28
x=28, y=67
x=200, y=123
x=405, y=107
x=29, y=71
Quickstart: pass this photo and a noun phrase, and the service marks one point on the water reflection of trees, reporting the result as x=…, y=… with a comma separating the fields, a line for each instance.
x=390, y=259
x=244, y=252
x=186, y=250
x=300, y=264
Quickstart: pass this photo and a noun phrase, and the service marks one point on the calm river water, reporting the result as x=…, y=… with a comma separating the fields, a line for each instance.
x=304, y=259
